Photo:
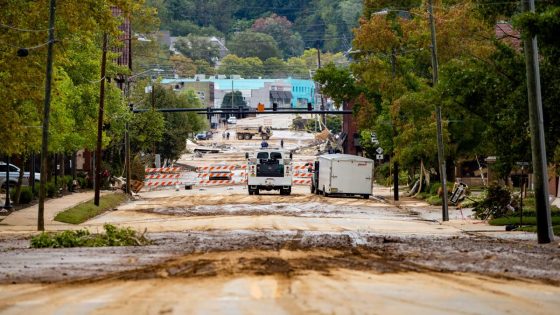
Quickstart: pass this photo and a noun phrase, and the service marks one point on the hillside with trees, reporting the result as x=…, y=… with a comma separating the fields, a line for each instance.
x=294, y=24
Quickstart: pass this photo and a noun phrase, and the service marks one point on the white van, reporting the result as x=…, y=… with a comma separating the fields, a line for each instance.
x=342, y=174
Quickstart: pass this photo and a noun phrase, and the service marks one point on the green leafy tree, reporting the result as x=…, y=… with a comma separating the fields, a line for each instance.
x=253, y=44
x=198, y=48
x=280, y=28
x=337, y=83
x=183, y=66
x=238, y=102
x=276, y=68
x=178, y=126
x=250, y=67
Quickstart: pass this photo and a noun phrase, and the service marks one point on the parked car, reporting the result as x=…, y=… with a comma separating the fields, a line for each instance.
x=14, y=174
x=201, y=136
x=232, y=120
x=205, y=135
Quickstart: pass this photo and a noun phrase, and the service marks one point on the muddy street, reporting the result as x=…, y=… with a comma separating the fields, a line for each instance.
x=219, y=250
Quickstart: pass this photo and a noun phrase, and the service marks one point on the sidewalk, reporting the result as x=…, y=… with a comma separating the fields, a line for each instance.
x=26, y=218
x=461, y=219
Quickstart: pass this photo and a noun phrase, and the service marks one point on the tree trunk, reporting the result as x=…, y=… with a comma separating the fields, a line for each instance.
x=421, y=175
x=63, y=171
x=20, y=180
x=74, y=162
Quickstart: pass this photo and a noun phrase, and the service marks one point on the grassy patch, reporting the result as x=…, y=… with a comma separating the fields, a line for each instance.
x=434, y=200
x=529, y=223
x=532, y=228
x=113, y=236
x=527, y=220
x=88, y=210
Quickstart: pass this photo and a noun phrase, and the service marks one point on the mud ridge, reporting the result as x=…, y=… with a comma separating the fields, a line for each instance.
x=284, y=253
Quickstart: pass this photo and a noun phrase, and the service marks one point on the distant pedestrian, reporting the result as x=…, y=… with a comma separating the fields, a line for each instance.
x=282, y=143
x=223, y=135
x=227, y=135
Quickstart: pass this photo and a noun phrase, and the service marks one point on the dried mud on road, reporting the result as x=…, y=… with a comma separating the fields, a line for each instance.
x=278, y=265
x=221, y=253
x=252, y=272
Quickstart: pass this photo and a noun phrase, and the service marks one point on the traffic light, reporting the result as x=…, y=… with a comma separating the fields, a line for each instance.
x=309, y=106
x=274, y=107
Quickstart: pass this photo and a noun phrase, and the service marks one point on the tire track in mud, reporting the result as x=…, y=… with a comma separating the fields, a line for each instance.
x=287, y=254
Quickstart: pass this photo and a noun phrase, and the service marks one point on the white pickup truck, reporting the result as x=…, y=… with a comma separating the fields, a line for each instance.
x=14, y=174
x=269, y=169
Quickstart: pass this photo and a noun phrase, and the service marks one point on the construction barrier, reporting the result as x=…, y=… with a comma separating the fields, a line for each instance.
x=219, y=168
x=162, y=177
x=177, y=176
x=163, y=170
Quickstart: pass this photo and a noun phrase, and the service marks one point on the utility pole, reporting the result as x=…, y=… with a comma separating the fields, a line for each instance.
x=46, y=115
x=154, y=109
x=324, y=116
x=127, y=135
x=441, y=157
x=538, y=149
x=395, y=163
x=100, y=122
x=127, y=140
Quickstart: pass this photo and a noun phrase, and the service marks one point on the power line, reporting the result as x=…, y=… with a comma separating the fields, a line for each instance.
x=22, y=29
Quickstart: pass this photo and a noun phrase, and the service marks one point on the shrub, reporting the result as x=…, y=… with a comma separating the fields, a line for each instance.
x=50, y=189
x=434, y=186
x=68, y=181
x=26, y=195
x=82, y=182
x=137, y=168
x=496, y=204
x=382, y=174
x=113, y=236
x=434, y=200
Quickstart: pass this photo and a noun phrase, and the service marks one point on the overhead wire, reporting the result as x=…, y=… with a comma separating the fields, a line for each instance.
x=22, y=29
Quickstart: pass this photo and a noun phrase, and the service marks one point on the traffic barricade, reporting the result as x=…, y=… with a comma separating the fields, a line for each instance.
x=162, y=177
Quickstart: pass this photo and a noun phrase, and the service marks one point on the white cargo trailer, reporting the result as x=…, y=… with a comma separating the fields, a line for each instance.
x=342, y=174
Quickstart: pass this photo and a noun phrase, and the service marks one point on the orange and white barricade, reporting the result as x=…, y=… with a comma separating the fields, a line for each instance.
x=162, y=177
x=301, y=173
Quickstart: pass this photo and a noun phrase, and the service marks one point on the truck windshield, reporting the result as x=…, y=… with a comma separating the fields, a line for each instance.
x=270, y=165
